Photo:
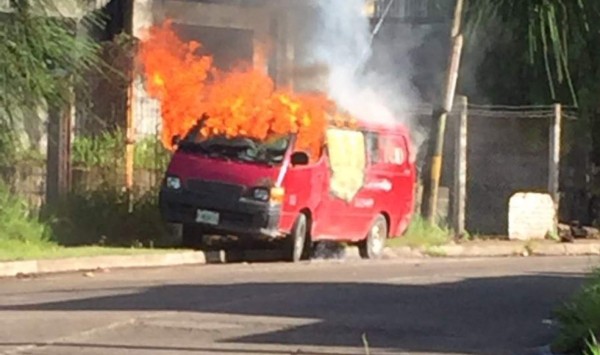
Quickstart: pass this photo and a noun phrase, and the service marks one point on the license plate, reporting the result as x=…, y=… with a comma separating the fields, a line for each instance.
x=207, y=217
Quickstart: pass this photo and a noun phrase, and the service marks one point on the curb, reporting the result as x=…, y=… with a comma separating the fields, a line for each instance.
x=16, y=268
x=468, y=250
x=500, y=249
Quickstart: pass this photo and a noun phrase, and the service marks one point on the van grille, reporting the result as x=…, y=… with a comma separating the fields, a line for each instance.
x=213, y=188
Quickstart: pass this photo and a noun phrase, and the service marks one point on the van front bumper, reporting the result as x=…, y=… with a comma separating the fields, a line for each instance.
x=244, y=217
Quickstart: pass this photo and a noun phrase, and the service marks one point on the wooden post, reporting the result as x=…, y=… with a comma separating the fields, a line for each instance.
x=436, y=148
x=460, y=169
x=554, y=159
x=130, y=146
x=58, y=157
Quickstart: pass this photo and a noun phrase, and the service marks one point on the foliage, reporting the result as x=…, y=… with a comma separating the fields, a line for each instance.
x=579, y=318
x=19, y=227
x=547, y=34
x=421, y=234
x=42, y=54
x=107, y=150
x=102, y=217
x=592, y=346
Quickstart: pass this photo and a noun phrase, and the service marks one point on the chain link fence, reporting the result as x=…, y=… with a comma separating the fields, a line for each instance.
x=507, y=152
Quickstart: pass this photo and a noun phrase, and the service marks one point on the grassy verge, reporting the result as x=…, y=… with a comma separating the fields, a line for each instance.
x=421, y=234
x=84, y=224
x=579, y=320
x=17, y=251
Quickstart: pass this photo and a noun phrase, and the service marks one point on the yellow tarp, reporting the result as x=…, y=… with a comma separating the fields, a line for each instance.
x=347, y=158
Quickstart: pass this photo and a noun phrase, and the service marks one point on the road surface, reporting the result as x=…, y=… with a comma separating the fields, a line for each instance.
x=485, y=306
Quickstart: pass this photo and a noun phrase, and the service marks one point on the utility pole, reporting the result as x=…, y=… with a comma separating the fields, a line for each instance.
x=129, y=123
x=440, y=115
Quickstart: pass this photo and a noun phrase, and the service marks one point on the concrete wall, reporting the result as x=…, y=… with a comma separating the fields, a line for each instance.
x=272, y=50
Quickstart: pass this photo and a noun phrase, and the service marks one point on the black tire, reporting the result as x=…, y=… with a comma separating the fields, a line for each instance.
x=372, y=247
x=296, y=244
x=191, y=237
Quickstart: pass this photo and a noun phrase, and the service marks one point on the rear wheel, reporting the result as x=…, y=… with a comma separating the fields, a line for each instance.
x=372, y=247
x=296, y=244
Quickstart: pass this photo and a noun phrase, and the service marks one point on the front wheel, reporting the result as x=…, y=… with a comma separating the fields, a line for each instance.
x=296, y=243
x=372, y=247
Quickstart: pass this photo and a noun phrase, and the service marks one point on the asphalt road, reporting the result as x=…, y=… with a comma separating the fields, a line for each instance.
x=485, y=306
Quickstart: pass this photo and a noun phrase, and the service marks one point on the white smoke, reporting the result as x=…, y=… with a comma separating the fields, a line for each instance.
x=378, y=93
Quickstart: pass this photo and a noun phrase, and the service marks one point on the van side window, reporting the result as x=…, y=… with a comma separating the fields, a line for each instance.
x=394, y=151
x=372, y=145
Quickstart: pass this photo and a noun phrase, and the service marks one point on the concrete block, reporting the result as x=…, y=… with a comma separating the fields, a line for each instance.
x=530, y=216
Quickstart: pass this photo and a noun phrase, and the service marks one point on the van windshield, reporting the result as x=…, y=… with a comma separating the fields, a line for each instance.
x=245, y=149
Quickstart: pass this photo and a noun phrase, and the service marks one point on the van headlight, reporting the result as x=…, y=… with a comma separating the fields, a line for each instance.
x=261, y=194
x=173, y=183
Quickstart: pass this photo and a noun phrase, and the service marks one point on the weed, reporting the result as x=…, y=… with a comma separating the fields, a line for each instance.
x=18, y=224
x=592, y=346
x=420, y=233
x=435, y=251
x=530, y=246
x=366, y=344
x=578, y=317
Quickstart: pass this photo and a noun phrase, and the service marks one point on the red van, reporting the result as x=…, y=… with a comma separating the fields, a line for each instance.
x=360, y=189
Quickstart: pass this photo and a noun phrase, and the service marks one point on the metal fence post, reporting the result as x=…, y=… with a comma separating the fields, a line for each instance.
x=554, y=159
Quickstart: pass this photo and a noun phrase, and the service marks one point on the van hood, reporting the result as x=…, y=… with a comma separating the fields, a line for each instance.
x=190, y=166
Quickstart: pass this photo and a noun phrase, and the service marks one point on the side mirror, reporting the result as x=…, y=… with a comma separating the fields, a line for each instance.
x=300, y=158
x=176, y=140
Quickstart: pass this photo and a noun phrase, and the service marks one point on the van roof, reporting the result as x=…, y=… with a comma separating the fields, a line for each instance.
x=395, y=127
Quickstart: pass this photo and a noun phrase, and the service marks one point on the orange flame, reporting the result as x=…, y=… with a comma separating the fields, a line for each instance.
x=243, y=102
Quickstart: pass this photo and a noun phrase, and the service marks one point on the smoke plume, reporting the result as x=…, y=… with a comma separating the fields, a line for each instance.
x=368, y=78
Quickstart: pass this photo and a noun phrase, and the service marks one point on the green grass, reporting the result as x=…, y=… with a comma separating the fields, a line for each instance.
x=90, y=223
x=16, y=250
x=18, y=226
x=421, y=234
x=579, y=320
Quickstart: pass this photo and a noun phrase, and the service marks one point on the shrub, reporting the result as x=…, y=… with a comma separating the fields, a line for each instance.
x=103, y=217
x=579, y=319
x=18, y=225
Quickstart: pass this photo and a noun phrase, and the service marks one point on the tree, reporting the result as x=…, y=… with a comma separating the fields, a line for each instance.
x=42, y=56
x=548, y=38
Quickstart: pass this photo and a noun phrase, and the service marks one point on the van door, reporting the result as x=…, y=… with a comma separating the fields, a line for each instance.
x=336, y=217
x=367, y=203
x=400, y=171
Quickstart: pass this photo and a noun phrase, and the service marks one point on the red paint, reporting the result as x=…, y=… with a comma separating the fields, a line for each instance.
x=388, y=189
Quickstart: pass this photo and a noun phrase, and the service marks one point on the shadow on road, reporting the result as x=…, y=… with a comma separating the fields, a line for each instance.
x=478, y=316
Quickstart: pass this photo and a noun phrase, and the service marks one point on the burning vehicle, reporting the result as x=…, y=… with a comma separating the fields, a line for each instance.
x=256, y=162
